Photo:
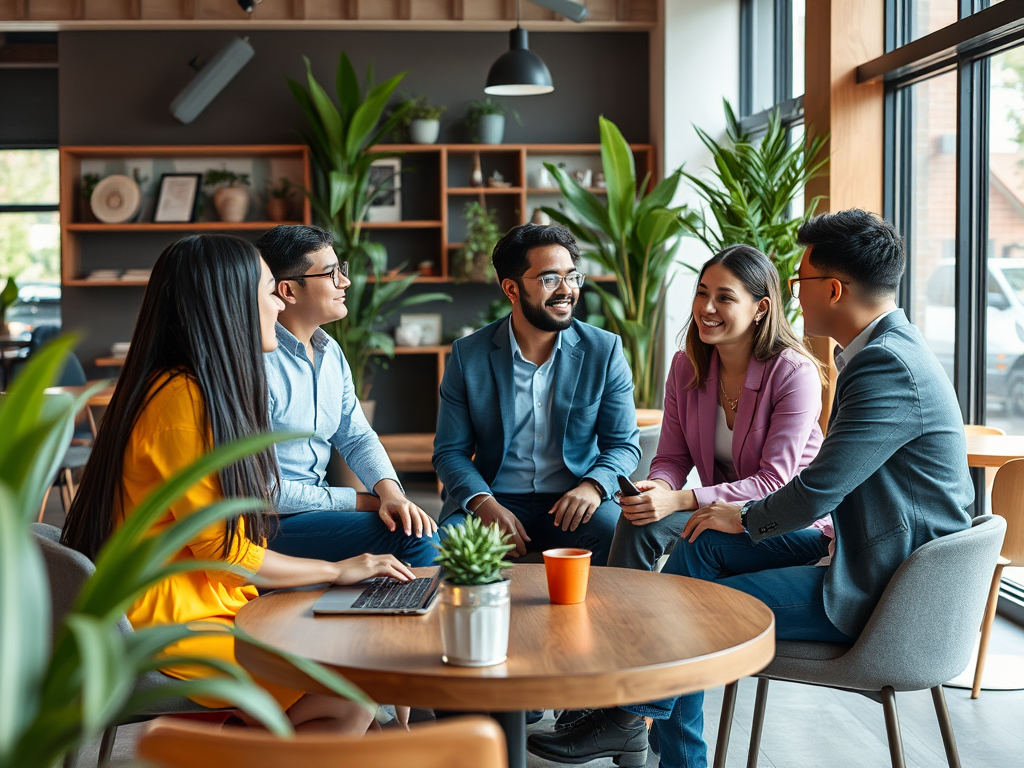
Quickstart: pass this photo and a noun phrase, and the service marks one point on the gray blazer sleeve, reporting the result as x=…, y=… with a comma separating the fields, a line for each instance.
x=878, y=411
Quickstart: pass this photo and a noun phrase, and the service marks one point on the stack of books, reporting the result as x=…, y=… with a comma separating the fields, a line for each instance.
x=104, y=275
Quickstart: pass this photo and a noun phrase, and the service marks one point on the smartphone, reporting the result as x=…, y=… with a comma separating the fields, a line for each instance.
x=626, y=487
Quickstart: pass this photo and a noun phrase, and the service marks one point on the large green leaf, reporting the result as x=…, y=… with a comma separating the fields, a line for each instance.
x=368, y=114
x=620, y=176
x=327, y=112
x=350, y=96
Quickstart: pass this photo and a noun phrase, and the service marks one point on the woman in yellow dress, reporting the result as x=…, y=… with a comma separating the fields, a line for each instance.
x=194, y=379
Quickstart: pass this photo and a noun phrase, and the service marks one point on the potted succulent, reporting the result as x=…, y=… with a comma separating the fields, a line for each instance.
x=421, y=119
x=231, y=198
x=279, y=200
x=486, y=120
x=8, y=296
x=473, y=261
x=474, y=594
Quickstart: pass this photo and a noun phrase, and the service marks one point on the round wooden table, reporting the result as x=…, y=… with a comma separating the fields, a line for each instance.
x=993, y=450
x=639, y=637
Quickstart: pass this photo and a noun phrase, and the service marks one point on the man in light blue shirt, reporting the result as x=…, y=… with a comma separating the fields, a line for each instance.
x=311, y=391
x=537, y=418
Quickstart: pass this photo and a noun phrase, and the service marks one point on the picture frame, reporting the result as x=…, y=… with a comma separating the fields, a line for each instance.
x=176, y=198
x=386, y=177
x=430, y=325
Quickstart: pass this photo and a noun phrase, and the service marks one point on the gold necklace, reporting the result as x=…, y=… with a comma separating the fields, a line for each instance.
x=733, y=404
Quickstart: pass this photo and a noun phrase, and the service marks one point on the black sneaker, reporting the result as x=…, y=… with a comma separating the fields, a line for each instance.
x=595, y=736
x=568, y=717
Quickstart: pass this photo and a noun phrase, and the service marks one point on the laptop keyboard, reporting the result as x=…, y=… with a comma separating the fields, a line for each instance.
x=387, y=593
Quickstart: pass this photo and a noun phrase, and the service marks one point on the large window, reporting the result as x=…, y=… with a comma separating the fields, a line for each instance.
x=30, y=233
x=772, y=55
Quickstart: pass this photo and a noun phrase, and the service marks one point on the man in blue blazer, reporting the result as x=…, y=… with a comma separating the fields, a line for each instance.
x=536, y=417
x=892, y=472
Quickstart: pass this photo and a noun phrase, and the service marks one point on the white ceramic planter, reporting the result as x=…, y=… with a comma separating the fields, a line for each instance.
x=232, y=203
x=490, y=128
x=424, y=131
x=474, y=623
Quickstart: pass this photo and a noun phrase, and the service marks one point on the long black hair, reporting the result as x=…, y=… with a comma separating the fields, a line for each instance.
x=199, y=318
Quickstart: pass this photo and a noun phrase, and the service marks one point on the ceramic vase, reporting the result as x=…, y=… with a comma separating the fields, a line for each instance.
x=490, y=128
x=232, y=203
x=474, y=623
x=424, y=131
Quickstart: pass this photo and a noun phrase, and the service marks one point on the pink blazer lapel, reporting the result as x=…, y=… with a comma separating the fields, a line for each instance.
x=745, y=412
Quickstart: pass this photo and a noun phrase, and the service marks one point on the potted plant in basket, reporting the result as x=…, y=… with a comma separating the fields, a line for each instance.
x=486, y=120
x=231, y=198
x=474, y=594
x=421, y=119
x=340, y=140
x=473, y=260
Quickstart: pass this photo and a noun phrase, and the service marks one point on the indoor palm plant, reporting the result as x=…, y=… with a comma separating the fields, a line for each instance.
x=634, y=237
x=340, y=138
x=750, y=198
x=55, y=697
x=474, y=594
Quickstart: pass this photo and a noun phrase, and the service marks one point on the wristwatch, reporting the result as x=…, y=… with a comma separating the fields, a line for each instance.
x=743, y=514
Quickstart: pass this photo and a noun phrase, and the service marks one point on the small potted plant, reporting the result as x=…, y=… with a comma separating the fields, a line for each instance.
x=486, y=120
x=231, y=198
x=473, y=260
x=279, y=200
x=89, y=182
x=474, y=594
x=8, y=296
x=421, y=119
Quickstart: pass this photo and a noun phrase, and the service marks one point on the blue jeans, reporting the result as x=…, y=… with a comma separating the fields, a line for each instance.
x=532, y=510
x=779, y=572
x=336, y=536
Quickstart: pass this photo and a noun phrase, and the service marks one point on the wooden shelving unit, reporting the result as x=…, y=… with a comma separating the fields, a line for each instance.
x=75, y=233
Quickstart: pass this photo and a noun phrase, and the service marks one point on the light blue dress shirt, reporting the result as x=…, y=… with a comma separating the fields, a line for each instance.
x=317, y=396
x=534, y=461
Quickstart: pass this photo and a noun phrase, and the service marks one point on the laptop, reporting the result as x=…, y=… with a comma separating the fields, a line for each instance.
x=381, y=596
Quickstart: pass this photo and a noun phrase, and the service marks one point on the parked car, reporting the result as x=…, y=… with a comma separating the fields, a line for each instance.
x=38, y=304
x=1004, y=331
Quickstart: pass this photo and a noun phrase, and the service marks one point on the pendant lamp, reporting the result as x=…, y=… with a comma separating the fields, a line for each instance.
x=518, y=72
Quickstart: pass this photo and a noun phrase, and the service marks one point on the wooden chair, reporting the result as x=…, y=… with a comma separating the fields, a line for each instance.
x=1008, y=503
x=980, y=429
x=461, y=742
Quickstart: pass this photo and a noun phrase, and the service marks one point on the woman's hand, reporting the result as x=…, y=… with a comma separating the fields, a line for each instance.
x=656, y=502
x=716, y=516
x=356, y=569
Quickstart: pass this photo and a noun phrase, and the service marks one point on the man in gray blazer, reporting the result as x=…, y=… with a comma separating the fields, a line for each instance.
x=892, y=472
x=536, y=416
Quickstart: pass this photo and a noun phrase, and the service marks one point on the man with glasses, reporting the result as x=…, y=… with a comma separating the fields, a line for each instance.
x=311, y=391
x=537, y=417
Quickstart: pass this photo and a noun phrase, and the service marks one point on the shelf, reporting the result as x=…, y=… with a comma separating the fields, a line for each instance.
x=109, y=362
x=194, y=226
x=557, y=191
x=484, y=190
x=81, y=282
x=401, y=224
x=419, y=278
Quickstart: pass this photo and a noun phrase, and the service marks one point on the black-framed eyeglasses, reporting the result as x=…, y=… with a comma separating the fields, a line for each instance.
x=794, y=283
x=551, y=282
x=336, y=274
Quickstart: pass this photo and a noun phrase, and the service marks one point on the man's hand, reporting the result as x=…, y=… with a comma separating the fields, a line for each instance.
x=395, y=506
x=490, y=511
x=657, y=502
x=717, y=516
x=576, y=507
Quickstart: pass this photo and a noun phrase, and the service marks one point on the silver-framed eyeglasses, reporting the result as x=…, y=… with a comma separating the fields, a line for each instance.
x=794, y=283
x=551, y=282
x=335, y=274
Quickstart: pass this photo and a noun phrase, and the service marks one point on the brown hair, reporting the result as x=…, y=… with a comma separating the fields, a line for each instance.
x=772, y=336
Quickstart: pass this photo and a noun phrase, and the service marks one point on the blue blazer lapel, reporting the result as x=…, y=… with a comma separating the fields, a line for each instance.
x=501, y=367
x=706, y=417
x=567, y=376
x=745, y=412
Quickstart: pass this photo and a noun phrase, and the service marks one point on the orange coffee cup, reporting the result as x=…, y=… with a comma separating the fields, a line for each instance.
x=568, y=571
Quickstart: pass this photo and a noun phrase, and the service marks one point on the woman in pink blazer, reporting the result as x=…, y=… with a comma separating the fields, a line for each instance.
x=742, y=403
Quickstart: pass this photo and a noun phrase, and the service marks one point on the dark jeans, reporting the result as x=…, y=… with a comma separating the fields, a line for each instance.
x=336, y=536
x=532, y=510
x=779, y=572
x=641, y=546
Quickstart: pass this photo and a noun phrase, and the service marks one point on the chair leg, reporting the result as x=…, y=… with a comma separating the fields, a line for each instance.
x=107, y=746
x=945, y=727
x=725, y=724
x=760, y=701
x=892, y=728
x=42, y=508
x=986, y=629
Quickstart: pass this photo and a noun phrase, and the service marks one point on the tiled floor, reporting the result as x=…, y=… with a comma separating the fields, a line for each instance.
x=809, y=727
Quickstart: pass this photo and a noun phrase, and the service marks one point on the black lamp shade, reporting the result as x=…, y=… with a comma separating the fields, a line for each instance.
x=518, y=72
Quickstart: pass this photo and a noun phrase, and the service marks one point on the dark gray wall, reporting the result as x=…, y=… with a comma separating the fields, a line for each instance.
x=28, y=108
x=116, y=88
